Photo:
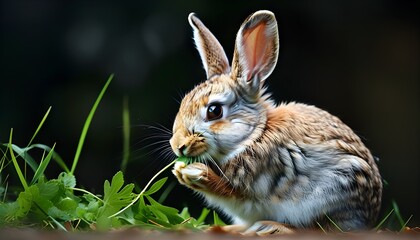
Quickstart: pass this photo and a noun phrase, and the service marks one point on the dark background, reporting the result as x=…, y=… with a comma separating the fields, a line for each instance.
x=357, y=59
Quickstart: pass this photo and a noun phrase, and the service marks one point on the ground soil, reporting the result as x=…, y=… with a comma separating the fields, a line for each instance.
x=133, y=234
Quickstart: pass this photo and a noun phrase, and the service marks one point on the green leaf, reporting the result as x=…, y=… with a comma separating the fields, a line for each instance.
x=68, y=180
x=143, y=211
x=165, y=209
x=50, y=190
x=26, y=200
x=184, y=159
x=9, y=212
x=158, y=214
x=56, y=213
x=103, y=223
x=171, y=214
x=88, y=211
x=157, y=222
x=156, y=186
x=142, y=192
x=68, y=204
x=114, y=197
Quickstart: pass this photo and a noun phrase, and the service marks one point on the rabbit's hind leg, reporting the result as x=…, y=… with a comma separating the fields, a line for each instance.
x=260, y=228
x=264, y=228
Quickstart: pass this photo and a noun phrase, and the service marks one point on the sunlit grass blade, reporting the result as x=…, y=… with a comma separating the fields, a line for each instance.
x=41, y=169
x=204, y=213
x=3, y=160
x=126, y=134
x=23, y=153
x=40, y=125
x=87, y=192
x=87, y=124
x=55, y=156
x=216, y=219
x=322, y=229
x=383, y=220
x=15, y=163
x=335, y=224
x=405, y=224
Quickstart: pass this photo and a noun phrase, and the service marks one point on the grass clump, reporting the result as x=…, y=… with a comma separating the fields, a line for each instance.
x=58, y=204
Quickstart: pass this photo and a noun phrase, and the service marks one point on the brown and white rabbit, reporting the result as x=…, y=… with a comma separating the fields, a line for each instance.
x=270, y=168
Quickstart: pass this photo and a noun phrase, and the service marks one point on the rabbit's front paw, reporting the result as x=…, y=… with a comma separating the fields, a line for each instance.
x=194, y=175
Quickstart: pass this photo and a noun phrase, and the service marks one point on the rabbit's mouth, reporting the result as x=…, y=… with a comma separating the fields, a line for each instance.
x=190, y=146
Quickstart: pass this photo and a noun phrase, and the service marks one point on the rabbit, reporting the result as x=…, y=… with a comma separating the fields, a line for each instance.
x=270, y=168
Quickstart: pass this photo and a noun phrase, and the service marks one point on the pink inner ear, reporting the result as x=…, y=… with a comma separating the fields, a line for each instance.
x=255, y=46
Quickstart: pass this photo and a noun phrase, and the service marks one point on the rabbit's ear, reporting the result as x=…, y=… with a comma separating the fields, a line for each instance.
x=256, y=50
x=211, y=52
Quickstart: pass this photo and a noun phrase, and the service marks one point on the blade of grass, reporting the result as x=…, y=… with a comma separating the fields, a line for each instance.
x=40, y=125
x=87, y=124
x=3, y=160
x=23, y=153
x=58, y=224
x=204, y=213
x=405, y=224
x=41, y=169
x=15, y=163
x=89, y=193
x=216, y=219
x=126, y=134
x=55, y=156
x=166, y=192
x=383, y=220
x=322, y=229
x=5, y=192
x=335, y=224
x=397, y=212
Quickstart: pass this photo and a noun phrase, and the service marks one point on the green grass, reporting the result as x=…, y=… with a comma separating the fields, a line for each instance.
x=386, y=223
x=57, y=203
x=126, y=135
x=87, y=124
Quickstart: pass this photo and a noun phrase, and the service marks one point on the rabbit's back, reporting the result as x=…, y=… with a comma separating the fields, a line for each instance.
x=306, y=165
x=311, y=125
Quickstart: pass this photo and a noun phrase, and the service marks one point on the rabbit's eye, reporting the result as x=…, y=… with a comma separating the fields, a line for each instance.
x=214, y=112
